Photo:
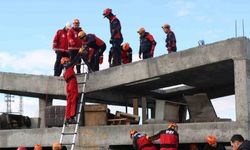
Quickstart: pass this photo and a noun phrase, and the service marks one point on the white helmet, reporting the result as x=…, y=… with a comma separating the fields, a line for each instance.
x=68, y=25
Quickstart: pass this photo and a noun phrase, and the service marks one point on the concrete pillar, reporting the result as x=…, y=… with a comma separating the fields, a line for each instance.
x=160, y=109
x=135, y=106
x=144, y=109
x=242, y=92
x=43, y=103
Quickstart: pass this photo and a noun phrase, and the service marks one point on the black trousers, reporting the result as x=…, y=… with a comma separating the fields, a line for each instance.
x=72, y=54
x=58, y=66
x=117, y=52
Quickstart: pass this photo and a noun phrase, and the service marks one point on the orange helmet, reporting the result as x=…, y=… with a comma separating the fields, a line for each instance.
x=107, y=12
x=21, y=148
x=76, y=21
x=132, y=132
x=170, y=125
x=125, y=46
x=166, y=26
x=37, y=147
x=141, y=30
x=81, y=34
x=57, y=146
x=64, y=59
x=211, y=139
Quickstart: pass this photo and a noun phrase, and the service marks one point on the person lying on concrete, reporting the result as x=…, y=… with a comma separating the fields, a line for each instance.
x=212, y=144
x=98, y=45
x=238, y=143
x=71, y=87
x=140, y=141
x=147, y=44
x=169, y=138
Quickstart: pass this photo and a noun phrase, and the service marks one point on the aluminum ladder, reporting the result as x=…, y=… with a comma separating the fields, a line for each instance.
x=78, y=115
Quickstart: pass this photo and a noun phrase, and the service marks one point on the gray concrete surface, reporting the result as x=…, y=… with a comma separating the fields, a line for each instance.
x=218, y=69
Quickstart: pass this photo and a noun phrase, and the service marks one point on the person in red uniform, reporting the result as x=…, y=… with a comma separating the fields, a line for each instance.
x=71, y=87
x=21, y=148
x=140, y=141
x=147, y=44
x=92, y=41
x=74, y=42
x=116, y=35
x=126, y=53
x=170, y=39
x=169, y=138
x=60, y=46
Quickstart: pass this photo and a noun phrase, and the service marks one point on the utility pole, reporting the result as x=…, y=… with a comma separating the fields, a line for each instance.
x=8, y=102
x=21, y=106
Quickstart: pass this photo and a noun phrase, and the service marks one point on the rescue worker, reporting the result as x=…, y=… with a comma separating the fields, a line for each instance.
x=147, y=44
x=72, y=87
x=21, y=148
x=140, y=141
x=238, y=143
x=212, y=144
x=170, y=39
x=92, y=41
x=57, y=146
x=116, y=35
x=37, y=147
x=74, y=42
x=169, y=138
x=60, y=46
x=126, y=53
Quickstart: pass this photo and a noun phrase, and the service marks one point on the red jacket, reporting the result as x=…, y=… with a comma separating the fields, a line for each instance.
x=74, y=42
x=126, y=56
x=60, y=42
x=140, y=142
x=169, y=139
x=115, y=28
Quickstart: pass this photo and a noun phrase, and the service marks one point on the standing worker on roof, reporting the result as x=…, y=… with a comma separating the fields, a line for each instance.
x=116, y=35
x=74, y=42
x=126, y=53
x=60, y=46
x=170, y=39
x=212, y=144
x=147, y=44
x=140, y=141
x=92, y=41
x=72, y=87
x=169, y=138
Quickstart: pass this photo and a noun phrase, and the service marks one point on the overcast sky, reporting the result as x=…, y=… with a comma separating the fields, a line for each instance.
x=28, y=27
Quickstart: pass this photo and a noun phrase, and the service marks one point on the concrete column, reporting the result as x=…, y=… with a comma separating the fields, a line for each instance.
x=160, y=109
x=43, y=102
x=242, y=91
x=135, y=106
x=144, y=109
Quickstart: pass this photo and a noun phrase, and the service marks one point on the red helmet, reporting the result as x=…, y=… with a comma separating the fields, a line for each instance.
x=132, y=132
x=21, y=148
x=37, y=147
x=76, y=21
x=64, y=59
x=107, y=12
x=171, y=125
x=125, y=46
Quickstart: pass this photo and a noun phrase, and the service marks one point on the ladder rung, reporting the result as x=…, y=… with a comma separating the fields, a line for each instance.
x=68, y=143
x=81, y=82
x=69, y=133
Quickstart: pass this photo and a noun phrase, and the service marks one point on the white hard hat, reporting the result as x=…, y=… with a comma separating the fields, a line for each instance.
x=68, y=25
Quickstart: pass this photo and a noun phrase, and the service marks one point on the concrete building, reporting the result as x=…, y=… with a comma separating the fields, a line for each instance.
x=198, y=74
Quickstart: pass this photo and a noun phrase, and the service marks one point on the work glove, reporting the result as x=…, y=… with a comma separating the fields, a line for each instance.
x=101, y=59
x=81, y=50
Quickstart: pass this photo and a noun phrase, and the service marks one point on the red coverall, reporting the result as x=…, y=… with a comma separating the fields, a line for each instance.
x=71, y=88
x=126, y=55
x=140, y=142
x=169, y=139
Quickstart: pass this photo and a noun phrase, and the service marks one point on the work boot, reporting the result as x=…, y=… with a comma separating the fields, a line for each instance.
x=67, y=122
x=72, y=120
